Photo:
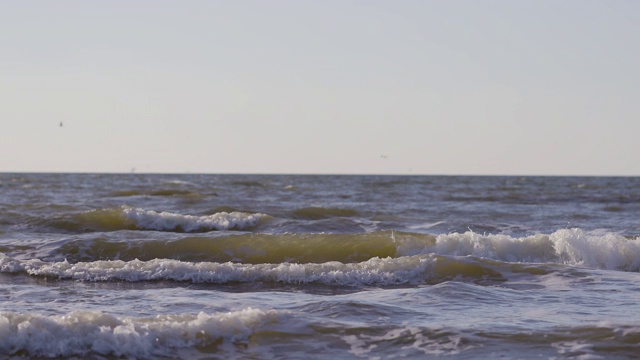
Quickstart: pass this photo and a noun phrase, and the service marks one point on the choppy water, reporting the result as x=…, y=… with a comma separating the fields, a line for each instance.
x=287, y=267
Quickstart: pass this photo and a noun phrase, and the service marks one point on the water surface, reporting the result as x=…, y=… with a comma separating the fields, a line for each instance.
x=282, y=266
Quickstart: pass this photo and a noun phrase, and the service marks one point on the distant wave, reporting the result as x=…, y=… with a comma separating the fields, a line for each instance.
x=159, y=192
x=166, y=221
x=128, y=218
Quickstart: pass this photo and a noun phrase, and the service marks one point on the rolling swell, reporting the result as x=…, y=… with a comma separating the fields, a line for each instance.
x=249, y=248
x=382, y=258
x=573, y=247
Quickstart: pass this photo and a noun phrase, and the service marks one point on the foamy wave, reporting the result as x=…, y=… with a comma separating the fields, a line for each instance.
x=128, y=218
x=166, y=221
x=417, y=342
x=376, y=271
x=82, y=333
x=574, y=247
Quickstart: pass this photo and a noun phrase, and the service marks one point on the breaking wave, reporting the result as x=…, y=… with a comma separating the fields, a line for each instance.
x=83, y=333
x=573, y=247
x=376, y=271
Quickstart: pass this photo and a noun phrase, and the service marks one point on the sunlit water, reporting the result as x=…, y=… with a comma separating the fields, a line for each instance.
x=288, y=267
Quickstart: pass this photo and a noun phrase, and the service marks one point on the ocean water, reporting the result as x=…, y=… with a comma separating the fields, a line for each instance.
x=135, y=266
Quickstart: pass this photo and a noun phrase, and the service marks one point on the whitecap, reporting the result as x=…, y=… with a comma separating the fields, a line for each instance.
x=573, y=247
x=92, y=332
x=375, y=271
x=167, y=221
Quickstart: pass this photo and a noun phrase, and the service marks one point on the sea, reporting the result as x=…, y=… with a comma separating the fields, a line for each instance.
x=202, y=266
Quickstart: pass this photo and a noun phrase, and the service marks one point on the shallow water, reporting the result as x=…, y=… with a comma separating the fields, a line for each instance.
x=363, y=267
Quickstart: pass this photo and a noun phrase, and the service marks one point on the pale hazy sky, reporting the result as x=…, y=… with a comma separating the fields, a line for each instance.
x=375, y=87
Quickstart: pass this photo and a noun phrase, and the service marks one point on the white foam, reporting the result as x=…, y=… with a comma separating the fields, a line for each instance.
x=91, y=332
x=9, y=264
x=376, y=271
x=416, y=340
x=167, y=221
x=581, y=350
x=574, y=247
x=537, y=248
x=609, y=251
x=426, y=226
x=177, y=182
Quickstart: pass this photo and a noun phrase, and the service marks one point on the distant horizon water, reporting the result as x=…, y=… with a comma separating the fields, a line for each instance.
x=313, y=173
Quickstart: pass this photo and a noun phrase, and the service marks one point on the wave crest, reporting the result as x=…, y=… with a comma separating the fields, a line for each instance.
x=128, y=218
x=573, y=247
x=375, y=271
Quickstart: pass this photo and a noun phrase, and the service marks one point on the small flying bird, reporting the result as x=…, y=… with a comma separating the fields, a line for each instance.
x=61, y=124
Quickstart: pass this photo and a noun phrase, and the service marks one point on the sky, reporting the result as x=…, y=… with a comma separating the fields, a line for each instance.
x=464, y=87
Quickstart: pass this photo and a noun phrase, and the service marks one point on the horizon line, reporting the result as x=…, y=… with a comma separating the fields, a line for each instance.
x=305, y=174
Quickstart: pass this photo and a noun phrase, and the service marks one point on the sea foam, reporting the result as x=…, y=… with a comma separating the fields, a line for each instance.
x=81, y=333
x=574, y=247
x=376, y=271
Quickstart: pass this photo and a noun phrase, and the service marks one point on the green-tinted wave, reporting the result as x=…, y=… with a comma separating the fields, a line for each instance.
x=246, y=248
